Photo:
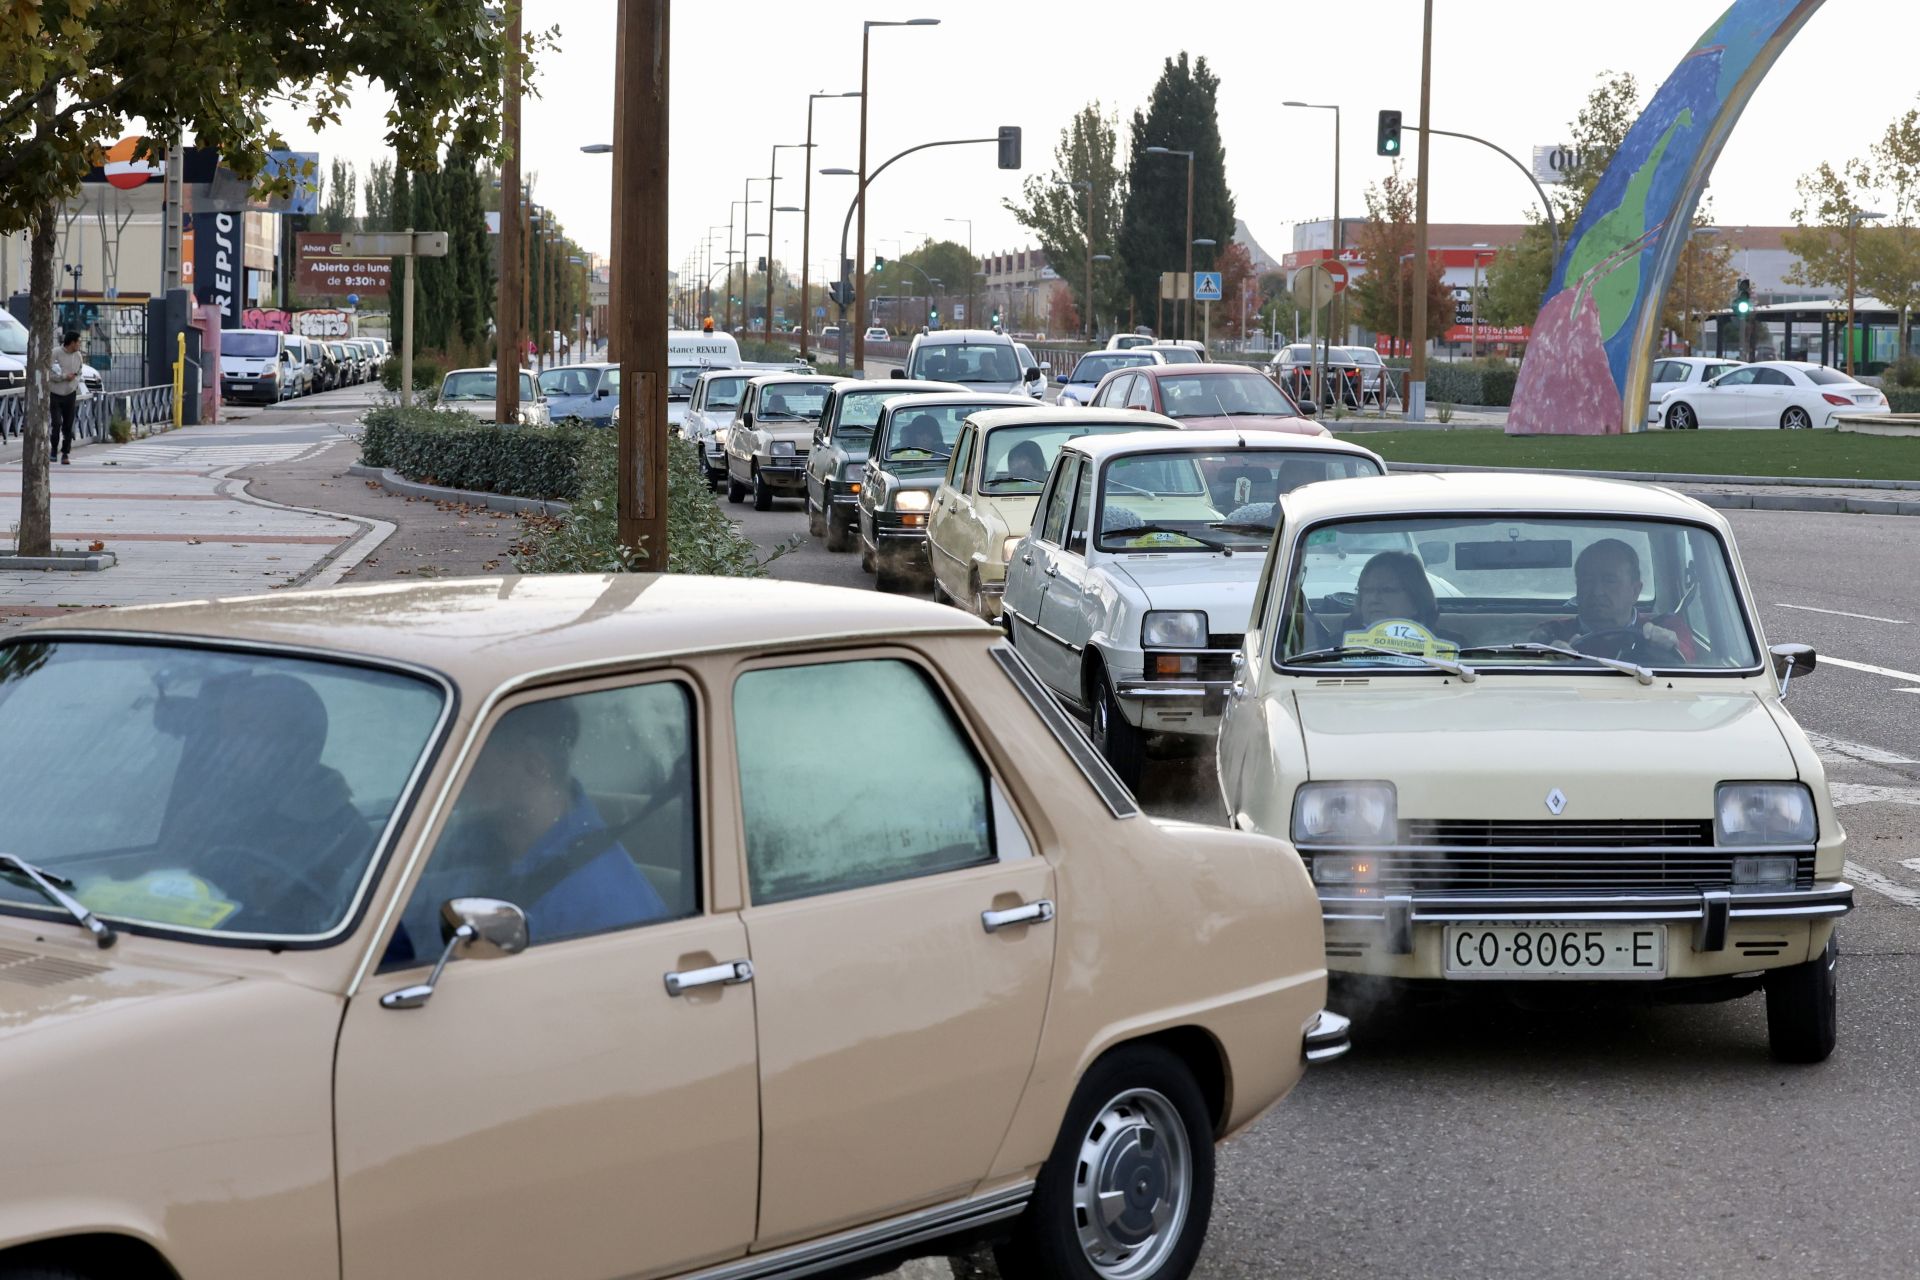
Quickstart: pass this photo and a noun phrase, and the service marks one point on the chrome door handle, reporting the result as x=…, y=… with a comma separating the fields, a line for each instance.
x=731, y=974
x=1053, y=570
x=1032, y=913
x=1026, y=557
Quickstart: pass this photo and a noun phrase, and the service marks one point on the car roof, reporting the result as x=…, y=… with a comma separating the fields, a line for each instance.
x=723, y=372
x=1479, y=492
x=1067, y=415
x=485, y=368
x=487, y=632
x=1204, y=369
x=903, y=386
x=1216, y=438
x=966, y=397
x=787, y=379
x=1701, y=359
x=963, y=337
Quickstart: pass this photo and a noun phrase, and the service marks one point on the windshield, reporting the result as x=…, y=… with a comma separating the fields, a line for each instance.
x=1360, y=355
x=925, y=434
x=238, y=342
x=1092, y=368
x=567, y=382
x=954, y=362
x=792, y=401
x=680, y=381
x=1179, y=355
x=1018, y=458
x=1223, y=395
x=1825, y=377
x=479, y=384
x=860, y=410
x=262, y=788
x=1194, y=501
x=1652, y=593
x=724, y=393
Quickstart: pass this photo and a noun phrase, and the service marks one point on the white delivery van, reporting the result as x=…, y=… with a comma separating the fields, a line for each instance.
x=689, y=353
x=250, y=365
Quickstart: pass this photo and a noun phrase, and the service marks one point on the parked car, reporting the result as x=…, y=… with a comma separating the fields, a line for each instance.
x=837, y=462
x=1621, y=795
x=251, y=365
x=766, y=443
x=912, y=445
x=1293, y=368
x=1209, y=395
x=474, y=391
x=1132, y=589
x=710, y=411
x=977, y=358
x=829, y=332
x=589, y=392
x=1128, y=341
x=1037, y=387
x=301, y=361
x=984, y=505
x=1182, y=351
x=1077, y=388
x=1672, y=373
x=1789, y=394
x=1366, y=362
x=341, y=955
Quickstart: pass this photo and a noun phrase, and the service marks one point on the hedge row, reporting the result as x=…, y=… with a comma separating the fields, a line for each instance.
x=1903, y=399
x=459, y=452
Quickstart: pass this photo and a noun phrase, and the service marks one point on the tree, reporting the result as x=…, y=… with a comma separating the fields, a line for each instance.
x=1885, y=260
x=73, y=72
x=1704, y=281
x=1062, y=315
x=1382, y=299
x=379, y=216
x=1055, y=208
x=1182, y=115
x=339, y=199
x=1235, y=266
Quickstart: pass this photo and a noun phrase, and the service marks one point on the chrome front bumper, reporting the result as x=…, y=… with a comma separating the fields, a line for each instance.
x=1710, y=911
x=1327, y=1038
x=1203, y=690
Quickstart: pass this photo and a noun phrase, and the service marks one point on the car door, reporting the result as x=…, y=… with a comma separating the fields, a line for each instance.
x=1114, y=393
x=898, y=1014
x=1774, y=391
x=1031, y=575
x=739, y=436
x=1143, y=394
x=560, y=1112
x=819, y=457
x=948, y=545
x=1068, y=611
x=1725, y=402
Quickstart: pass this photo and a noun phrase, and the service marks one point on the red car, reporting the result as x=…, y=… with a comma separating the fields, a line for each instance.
x=1207, y=395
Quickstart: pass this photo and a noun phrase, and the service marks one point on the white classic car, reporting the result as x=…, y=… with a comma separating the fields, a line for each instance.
x=710, y=411
x=471, y=391
x=1573, y=766
x=766, y=444
x=1130, y=592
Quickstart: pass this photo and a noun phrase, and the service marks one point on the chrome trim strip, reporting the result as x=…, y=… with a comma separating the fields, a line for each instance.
x=815, y=1256
x=1328, y=1037
x=1037, y=629
x=1554, y=850
x=1113, y=793
x=1168, y=689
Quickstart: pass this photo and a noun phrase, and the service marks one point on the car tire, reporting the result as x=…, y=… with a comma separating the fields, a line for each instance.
x=1138, y=1124
x=1795, y=419
x=762, y=494
x=1123, y=746
x=839, y=531
x=868, y=555
x=1682, y=418
x=816, y=520
x=886, y=577
x=736, y=492
x=1803, y=1008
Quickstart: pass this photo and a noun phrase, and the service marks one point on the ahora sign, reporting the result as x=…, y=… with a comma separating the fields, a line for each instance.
x=325, y=272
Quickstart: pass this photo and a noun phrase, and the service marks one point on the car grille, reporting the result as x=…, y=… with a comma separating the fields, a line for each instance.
x=1476, y=833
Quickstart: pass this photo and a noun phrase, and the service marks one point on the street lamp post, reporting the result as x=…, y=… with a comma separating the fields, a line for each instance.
x=806, y=228
x=860, y=242
x=729, y=286
x=971, y=318
x=1416, y=397
x=1185, y=325
x=1478, y=258
x=506, y=398
x=1854, y=220
x=773, y=161
x=1339, y=227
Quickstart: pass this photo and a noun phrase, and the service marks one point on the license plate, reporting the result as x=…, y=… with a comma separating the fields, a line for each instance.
x=1549, y=949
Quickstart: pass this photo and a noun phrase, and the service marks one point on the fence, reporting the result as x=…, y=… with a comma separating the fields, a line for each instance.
x=148, y=409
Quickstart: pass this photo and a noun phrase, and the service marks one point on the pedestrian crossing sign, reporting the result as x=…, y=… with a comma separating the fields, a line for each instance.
x=1206, y=286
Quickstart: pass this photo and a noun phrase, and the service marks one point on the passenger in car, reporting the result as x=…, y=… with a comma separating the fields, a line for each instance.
x=1025, y=461
x=922, y=435
x=1610, y=622
x=1394, y=585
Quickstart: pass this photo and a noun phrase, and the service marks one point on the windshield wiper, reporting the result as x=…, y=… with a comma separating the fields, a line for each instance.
x=1134, y=530
x=1634, y=669
x=1466, y=673
x=50, y=886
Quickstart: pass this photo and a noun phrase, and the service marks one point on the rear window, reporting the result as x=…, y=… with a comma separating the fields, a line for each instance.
x=1826, y=377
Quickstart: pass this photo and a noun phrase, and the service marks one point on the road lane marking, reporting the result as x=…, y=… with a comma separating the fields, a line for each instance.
x=1880, y=884
x=1840, y=613
x=1835, y=750
x=1866, y=793
x=1870, y=669
x=1911, y=864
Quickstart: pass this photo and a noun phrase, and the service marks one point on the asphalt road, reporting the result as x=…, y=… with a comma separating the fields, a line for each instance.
x=1477, y=1140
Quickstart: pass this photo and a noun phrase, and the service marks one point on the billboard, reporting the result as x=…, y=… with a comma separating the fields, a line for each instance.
x=217, y=275
x=325, y=272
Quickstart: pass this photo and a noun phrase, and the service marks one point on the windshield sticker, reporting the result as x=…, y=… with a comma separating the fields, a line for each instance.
x=170, y=897
x=1402, y=635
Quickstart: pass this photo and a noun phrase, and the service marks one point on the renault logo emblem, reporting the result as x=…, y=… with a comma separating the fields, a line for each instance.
x=1556, y=802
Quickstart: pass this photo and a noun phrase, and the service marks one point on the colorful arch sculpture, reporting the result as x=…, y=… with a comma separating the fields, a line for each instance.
x=1589, y=364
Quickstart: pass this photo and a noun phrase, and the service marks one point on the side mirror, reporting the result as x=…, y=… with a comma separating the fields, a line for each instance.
x=1309, y=409
x=480, y=929
x=1046, y=366
x=603, y=393
x=1033, y=373
x=1790, y=660
x=898, y=373
x=819, y=435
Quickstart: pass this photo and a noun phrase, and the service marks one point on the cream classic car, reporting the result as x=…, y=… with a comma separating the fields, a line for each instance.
x=766, y=444
x=1575, y=766
x=1130, y=592
x=984, y=505
x=517, y=927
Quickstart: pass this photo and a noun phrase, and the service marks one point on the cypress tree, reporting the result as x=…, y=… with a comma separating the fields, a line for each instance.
x=1182, y=115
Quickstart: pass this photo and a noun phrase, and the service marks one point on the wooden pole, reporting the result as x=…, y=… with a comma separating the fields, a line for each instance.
x=506, y=320
x=640, y=267
x=619, y=171
x=1417, y=374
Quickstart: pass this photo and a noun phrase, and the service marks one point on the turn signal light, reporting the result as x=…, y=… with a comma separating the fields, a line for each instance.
x=854, y=487
x=913, y=521
x=1169, y=664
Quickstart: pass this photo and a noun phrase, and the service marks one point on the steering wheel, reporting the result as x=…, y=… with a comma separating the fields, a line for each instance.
x=1348, y=600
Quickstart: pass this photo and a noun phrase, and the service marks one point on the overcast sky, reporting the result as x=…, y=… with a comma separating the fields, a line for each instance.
x=1513, y=71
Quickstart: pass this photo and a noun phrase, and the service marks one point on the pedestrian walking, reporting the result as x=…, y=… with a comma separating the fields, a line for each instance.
x=65, y=386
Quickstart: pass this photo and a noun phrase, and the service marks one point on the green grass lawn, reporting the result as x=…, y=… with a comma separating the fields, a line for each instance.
x=1807, y=454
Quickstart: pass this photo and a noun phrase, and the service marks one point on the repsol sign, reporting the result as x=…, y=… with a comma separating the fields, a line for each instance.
x=218, y=277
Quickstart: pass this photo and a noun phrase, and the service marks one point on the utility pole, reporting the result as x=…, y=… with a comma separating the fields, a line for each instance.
x=640, y=266
x=506, y=380
x=619, y=173
x=1417, y=374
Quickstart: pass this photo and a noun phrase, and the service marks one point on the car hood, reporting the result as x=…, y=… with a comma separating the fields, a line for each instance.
x=44, y=986
x=1494, y=749
x=1221, y=585
x=799, y=434
x=1010, y=514
x=1263, y=422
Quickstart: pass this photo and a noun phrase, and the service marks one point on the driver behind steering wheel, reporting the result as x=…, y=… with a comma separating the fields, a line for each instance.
x=1610, y=622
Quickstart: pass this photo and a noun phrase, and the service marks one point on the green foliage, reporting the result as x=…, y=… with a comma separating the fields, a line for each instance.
x=1183, y=115
x=1057, y=214
x=339, y=207
x=1382, y=299
x=1487, y=382
x=1517, y=278
x=120, y=429
x=1903, y=399
x=427, y=373
x=459, y=452
x=1904, y=373
x=1835, y=247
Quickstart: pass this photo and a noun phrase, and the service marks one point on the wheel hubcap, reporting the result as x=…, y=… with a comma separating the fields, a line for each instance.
x=1133, y=1185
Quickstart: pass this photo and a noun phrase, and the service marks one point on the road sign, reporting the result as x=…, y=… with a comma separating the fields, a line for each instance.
x=1554, y=163
x=1338, y=270
x=1312, y=287
x=1206, y=286
x=395, y=244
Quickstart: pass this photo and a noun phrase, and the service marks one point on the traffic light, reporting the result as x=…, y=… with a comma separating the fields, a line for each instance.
x=879, y=263
x=1743, y=299
x=996, y=319
x=1387, y=139
x=933, y=317
x=761, y=267
x=1009, y=146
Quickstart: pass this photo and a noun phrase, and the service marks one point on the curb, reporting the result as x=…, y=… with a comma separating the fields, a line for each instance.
x=1668, y=477
x=63, y=562
x=398, y=484
x=343, y=559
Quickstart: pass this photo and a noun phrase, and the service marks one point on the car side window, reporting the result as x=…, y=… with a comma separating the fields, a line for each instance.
x=962, y=458
x=1771, y=378
x=1114, y=392
x=1738, y=378
x=1054, y=509
x=815, y=827
x=1082, y=504
x=581, y=810
x=1669, y=371
x=1140, y=395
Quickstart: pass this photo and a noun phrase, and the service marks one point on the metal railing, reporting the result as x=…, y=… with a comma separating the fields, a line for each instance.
x=148, y=410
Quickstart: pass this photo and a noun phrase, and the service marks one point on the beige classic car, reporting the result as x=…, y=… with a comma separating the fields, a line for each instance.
x=517, y=927
x=1527, y=729
x=766, y=444
x=985, y=503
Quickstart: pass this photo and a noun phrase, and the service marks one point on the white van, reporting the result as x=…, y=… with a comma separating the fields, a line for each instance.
x=250, y=365
x=689, y=353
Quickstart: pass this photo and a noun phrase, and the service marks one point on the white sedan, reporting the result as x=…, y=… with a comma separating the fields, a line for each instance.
x=1674, y=372
x=1774, y=393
